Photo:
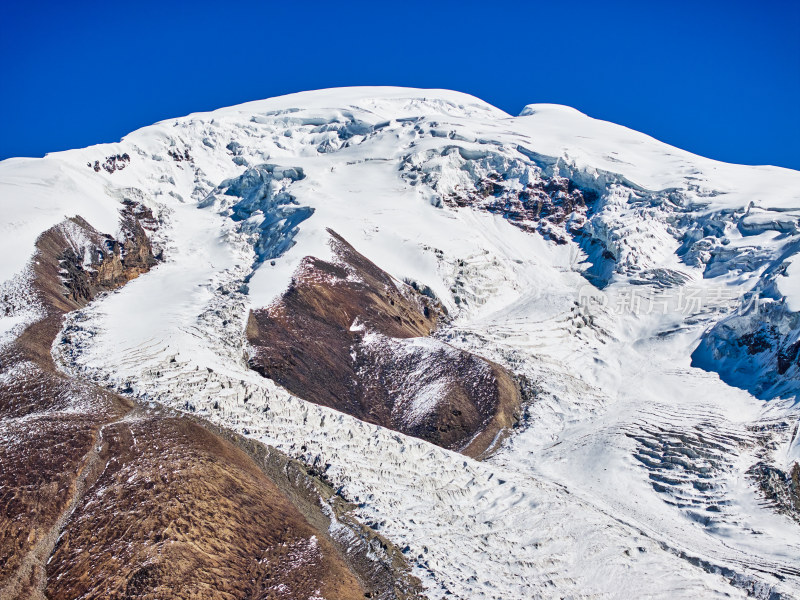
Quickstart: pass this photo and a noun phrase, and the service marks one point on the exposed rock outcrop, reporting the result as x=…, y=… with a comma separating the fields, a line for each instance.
x=91, y=262
x=348, y=336
x=115, y=162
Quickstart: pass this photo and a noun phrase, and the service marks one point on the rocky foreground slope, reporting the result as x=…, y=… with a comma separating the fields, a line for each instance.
x=334, y=302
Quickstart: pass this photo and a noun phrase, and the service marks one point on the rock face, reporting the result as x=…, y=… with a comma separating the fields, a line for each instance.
x=542, y=205
x=101, y=498
x=348, y=336
x=524, y=188
x=90, y=262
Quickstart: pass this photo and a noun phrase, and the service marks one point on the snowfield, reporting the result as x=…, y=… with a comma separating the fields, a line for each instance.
x=647, y=319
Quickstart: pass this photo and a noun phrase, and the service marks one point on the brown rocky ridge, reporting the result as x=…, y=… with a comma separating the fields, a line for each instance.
x=347, y=335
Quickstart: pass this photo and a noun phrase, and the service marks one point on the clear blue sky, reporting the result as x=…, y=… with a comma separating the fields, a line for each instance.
x=720, y=79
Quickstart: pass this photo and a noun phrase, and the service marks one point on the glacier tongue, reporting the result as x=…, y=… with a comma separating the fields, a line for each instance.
x=628, y=476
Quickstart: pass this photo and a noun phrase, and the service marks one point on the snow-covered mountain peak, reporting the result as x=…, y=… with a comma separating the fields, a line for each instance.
x=618, y=314
x=384, y=102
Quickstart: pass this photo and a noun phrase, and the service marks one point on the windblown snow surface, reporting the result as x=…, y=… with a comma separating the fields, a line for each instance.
x=629, y=475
